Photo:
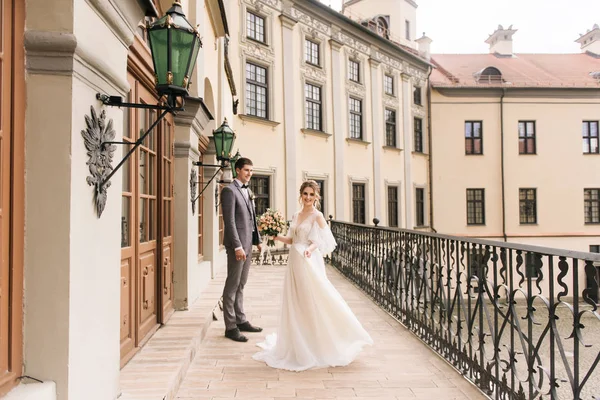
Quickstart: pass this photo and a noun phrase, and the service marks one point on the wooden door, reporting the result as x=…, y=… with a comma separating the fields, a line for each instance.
x=146, y=224
x=147, y=217
x=167, y=133
x=11, y=191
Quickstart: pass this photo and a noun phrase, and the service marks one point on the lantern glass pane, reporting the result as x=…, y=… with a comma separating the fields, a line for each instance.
x=181, y=49
x=158, y=43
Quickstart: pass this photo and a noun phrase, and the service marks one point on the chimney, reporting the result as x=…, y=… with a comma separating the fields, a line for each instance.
x=590, y=41
x=501, y=41
x=424, y=44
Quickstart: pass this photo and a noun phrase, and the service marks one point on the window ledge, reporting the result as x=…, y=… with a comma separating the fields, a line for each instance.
x=418, y=105
x=528, y=223
x=472, y=225
x=313, y=132
x=591, y=223
x=591, y=154
x=420, y=153
x=358, y=141
x=252, y=118
x=421, y=227
x=256, y=41
x=392, y=148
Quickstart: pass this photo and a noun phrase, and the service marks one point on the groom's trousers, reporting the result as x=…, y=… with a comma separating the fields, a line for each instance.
x=233, y=293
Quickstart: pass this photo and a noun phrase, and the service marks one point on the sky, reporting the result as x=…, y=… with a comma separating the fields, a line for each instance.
x=462, y=26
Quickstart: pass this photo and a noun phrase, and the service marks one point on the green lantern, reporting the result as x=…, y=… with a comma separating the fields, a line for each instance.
x=232, y=163
x=175, y=44
x=224, y=139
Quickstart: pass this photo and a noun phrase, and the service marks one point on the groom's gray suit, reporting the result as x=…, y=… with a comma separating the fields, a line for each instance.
x=240, y=231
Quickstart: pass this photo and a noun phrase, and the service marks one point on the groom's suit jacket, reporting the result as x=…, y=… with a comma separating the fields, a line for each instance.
x=239, y=218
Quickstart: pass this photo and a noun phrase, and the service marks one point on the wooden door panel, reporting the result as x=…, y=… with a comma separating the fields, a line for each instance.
x=166, y=213
x=127, y=299
x=167, y=281
x=147, y=294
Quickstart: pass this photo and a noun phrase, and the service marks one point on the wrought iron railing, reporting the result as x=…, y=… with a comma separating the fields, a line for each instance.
x=519, y=321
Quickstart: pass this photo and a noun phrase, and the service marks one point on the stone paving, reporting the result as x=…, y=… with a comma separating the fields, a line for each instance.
x=397, y=367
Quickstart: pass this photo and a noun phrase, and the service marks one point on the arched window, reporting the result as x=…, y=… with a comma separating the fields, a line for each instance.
x=489, y=75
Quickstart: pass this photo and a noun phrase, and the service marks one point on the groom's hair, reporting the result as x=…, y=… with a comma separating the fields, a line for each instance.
x=239, y=164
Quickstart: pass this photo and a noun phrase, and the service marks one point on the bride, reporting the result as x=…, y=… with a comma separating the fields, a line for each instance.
x=317, y=329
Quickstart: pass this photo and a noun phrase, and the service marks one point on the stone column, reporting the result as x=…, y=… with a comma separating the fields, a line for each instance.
x=188, y=127
x=339, y=128
x=407, y=125
x=72, y=255
x=378, y=132
x=289, y=99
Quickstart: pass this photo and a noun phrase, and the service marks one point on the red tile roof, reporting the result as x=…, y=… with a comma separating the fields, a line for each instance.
x=520, y=70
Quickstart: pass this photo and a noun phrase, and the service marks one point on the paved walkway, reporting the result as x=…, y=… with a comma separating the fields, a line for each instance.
x=398, y=366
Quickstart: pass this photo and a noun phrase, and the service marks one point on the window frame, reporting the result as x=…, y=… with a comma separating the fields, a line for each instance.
x=525, y=138
x=312, y=102
x=393, y=207
x=388, y=82
x=264, y=85
x=420, y=208
x=472, y=204
x=524, y=218
x=355, y=114
x=307, y=58
x=253, y=186
x=351, y=62
x=417, y=95
x=472, y=138
x=589, y=138
x=593, y=204
x=393, y=125
x=257, y=16
x=360, y=202
x=418, y=134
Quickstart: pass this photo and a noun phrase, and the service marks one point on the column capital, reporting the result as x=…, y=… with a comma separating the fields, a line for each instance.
x=336, y=44
x=405, y=77
x=288, y=21
x=374, y=63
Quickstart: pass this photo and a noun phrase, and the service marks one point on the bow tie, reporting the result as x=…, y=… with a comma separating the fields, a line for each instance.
x=244, y=186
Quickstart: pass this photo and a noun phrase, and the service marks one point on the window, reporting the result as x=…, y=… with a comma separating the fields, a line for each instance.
x=591, y=199
x=358, y=203
x=418, y=135
x=355, y=107
x=256, y=90
x=407, y=26
x=473, y=137
x=311, y=52
x=313, y=107
x=590, y=137
x=527, y=206
x=388, y=84
x=260, y=186
x=526, y=137
x=321, y=184
x=475, y=206
x=420, y=206
x=354, y=70
x=393, y=206
x=255, y=27
x=594, y=248
x=390, y=128
x=417, y=96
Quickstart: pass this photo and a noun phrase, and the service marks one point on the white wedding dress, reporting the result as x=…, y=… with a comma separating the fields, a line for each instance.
x=317, y=329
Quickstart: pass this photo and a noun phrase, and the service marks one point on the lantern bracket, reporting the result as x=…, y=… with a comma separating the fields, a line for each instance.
x=117, y=101
x=193, y=183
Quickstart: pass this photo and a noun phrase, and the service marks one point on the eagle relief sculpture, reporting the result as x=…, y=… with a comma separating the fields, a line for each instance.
x=100, y=153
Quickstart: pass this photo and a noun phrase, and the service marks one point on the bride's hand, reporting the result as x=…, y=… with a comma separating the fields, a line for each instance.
x=307, y=253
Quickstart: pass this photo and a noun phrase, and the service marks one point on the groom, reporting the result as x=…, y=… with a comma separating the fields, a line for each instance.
x=240, y=233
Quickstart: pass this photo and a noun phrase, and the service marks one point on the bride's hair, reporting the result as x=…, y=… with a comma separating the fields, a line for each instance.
x=314, y=186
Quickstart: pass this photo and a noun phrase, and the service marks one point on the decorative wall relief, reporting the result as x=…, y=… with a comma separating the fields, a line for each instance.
x=193, y=188
x=100, y=153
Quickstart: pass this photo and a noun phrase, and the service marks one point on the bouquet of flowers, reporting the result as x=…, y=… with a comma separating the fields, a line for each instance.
x=271, y=223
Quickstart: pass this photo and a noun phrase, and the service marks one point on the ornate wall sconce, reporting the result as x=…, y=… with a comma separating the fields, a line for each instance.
x=174, y=44
x=224, y=138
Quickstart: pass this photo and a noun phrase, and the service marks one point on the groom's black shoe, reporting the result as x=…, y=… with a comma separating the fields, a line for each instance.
x=234, y=334
x=247, y=327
